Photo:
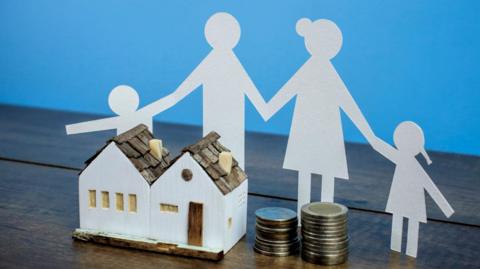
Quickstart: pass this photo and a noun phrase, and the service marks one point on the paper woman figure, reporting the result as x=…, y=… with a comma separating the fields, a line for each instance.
x=225, y=84
x=124, y=101
x=316, y=143
x=410, y=181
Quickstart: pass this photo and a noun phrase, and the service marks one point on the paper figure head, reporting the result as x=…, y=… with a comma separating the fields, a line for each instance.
x=408, y=138
x=222, y=31
x=322, y=37
x=123, y=99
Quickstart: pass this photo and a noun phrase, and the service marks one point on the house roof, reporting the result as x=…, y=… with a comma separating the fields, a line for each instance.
x=134, y=144
x=206, y=153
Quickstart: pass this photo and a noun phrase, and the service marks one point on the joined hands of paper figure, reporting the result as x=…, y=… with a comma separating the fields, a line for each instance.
x=315, y=144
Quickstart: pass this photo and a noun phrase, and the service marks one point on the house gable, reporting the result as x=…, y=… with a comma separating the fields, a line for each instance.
x=112, y=161
x=109, y=174
x=206, y=153
x=172, y=190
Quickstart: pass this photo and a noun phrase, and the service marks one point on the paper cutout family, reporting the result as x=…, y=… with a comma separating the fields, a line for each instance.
x=315, y=144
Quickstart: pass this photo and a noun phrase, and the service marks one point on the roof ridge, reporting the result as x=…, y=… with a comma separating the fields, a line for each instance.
x=130, y=133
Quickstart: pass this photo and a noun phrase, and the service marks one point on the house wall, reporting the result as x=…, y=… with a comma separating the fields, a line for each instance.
x=235, y=208
x=111, y=171
x=170, y=188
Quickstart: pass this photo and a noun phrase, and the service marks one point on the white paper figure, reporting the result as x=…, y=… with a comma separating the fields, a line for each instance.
x=316, y=143
x=225, y=84
x=410, y=181
x=124, y=101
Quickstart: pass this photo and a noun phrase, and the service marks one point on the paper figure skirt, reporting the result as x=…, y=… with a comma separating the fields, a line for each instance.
x=316, y=143
x=407, y=195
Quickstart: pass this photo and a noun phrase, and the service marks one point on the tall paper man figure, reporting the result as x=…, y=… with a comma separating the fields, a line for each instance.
x=124, y=101
x=410, y=181
x=225, y=84
x=316, y=143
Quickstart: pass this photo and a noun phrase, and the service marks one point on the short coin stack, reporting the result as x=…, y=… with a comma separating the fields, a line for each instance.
x=276, y=232
x=324, y=233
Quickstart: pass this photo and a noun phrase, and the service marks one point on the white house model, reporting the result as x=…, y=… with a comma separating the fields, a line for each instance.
x=132, y=189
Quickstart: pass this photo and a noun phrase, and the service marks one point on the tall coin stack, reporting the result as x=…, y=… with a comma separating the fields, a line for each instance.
x=276, y=232
x=324, y=233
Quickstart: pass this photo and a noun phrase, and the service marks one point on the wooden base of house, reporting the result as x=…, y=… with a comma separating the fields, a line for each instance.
x=141, y=243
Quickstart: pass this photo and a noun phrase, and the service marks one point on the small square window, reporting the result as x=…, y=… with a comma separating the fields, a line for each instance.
x=132, y=203
x=92, y=198
x=119, y=201
x=105, y=199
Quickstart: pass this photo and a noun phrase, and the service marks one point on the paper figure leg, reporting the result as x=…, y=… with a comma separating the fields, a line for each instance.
x=328, y=184
x=304, y=189
x=412, y=238
x=396, y=238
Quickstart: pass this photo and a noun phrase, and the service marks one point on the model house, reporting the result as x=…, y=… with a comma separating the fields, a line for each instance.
x=131, y=188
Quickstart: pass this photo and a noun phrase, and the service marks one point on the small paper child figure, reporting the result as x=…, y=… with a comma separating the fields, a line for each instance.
x=410, y=181
x=124, y=101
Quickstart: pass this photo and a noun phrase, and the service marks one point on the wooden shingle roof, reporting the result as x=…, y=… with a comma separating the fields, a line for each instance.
x=206, y=152
x=134, y=144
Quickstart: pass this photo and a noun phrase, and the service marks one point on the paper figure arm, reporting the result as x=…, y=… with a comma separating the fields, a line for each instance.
x=191, y=83
x=93, y=126
x=281, y=98
x=437, y=196
x=385, y=149
x=255, y=97
x=348, y=104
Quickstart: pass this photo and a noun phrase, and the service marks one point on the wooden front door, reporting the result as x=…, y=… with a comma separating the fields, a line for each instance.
x=195, y=224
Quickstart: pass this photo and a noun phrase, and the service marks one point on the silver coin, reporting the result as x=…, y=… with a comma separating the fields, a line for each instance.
x=325, y=242
x=278, y=254
x=275, y=214
x=307, y=225
x=329, y=240
x=276, y=242
x=324, y=222
x=275, y=230
x=304, y=215
x=324, y=210
x=323, y=260
x=277, y=237
x=272, y=247
x=276, y=249
x=322, y=230
x=278, y=224
x=320, y=249
x=325, y=248
x=323, y=234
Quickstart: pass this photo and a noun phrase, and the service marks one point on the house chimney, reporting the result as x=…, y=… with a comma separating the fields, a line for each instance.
x=225, y=161
x=156, y=148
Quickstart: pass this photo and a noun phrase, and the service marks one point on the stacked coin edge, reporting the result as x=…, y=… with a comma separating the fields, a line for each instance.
x=324, y=237
x=275, y=235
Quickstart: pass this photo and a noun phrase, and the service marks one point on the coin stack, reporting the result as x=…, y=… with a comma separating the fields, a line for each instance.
x=276, y=232
x=324, y=233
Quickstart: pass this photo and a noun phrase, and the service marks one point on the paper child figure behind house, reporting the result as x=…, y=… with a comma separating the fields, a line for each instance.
x=124, y=101
x=410, y=181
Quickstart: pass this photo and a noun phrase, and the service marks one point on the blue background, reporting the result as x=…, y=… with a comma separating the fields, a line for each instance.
x=401, y=60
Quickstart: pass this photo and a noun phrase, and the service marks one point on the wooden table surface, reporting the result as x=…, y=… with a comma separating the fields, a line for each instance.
x=39, y=164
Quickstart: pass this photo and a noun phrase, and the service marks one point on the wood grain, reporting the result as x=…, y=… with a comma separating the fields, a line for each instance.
x=164, y=248
x=39, y=211
x=195, y=224
x=38, y=135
